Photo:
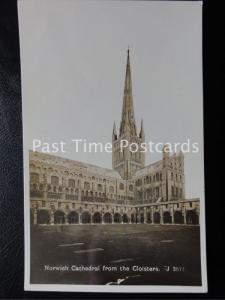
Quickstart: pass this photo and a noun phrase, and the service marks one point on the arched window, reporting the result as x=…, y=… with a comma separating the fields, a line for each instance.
x=54, y=180
x=121, y=186
x=131, y=188
x=34, y=177
x=111, y=189
x=157, y=176
x=147, y=179
x=171, y=175
x=172, y=189
x=99, y=187
x=157, y=191
x=71, y=183
x=86, y=185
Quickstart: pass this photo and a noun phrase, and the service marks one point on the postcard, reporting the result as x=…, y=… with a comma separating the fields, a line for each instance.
x=113, y=146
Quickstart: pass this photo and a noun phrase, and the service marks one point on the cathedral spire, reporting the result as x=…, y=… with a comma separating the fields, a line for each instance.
x=142, y=133
x=114, y=131
x=128, y=120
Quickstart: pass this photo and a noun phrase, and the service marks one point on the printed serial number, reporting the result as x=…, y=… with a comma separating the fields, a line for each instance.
x=178, y=269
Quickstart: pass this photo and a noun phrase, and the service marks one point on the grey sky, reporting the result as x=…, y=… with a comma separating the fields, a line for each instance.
x=73, y=66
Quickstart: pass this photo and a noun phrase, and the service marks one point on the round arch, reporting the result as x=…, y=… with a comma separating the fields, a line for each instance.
x=97, y=218
x=86, y=217
x=142, y=218
x=107, y=218
x=73, y=217
x=125, y=218
x=117, y=218
x=178, y=217
x=156, y=217
x=192, y=217
x=132, y=217
x=43, y=216
x=149, y=220
x=167, y=218
x=59, y=217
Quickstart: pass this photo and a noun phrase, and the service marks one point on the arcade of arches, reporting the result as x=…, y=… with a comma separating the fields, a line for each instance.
x=45, y=216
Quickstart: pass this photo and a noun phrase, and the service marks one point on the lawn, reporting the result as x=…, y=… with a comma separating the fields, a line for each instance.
x=112, y=254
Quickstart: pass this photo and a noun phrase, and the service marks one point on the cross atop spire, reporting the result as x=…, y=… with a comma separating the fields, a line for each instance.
x=128, y=120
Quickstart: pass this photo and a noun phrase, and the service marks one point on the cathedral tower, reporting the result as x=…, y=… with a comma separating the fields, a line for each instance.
x=124, y=161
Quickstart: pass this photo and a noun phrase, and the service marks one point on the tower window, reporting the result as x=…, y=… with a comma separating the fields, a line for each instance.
x=86, y=185
x=34, y=178
x=99, y=187
x=71, y=183
x=131, y=188
x=121, y=186
x=111, y=189
x=54, y=180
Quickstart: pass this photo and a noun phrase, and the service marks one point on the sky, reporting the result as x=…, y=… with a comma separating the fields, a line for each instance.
x=73, y=59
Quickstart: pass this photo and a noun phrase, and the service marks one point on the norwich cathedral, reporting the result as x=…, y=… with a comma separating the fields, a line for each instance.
x=64, y=191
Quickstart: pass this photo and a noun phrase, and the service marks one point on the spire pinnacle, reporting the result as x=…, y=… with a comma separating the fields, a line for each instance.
x=114, y=131
x=128, y=109
x=142, y=133
x=114, y=127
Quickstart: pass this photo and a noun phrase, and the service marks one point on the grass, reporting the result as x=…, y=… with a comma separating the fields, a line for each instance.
x=152, y=246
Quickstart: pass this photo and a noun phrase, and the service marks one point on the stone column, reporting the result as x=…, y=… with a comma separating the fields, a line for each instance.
x=79, y=218
x=161, y=215
x=145, y=216
x=66, y=219
x=102, y=218
x=52, y=218
x=79, y=193
x=152, y=214
x=185, y=220
x=172, y=215
x=35, y=217
x=92, y=218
